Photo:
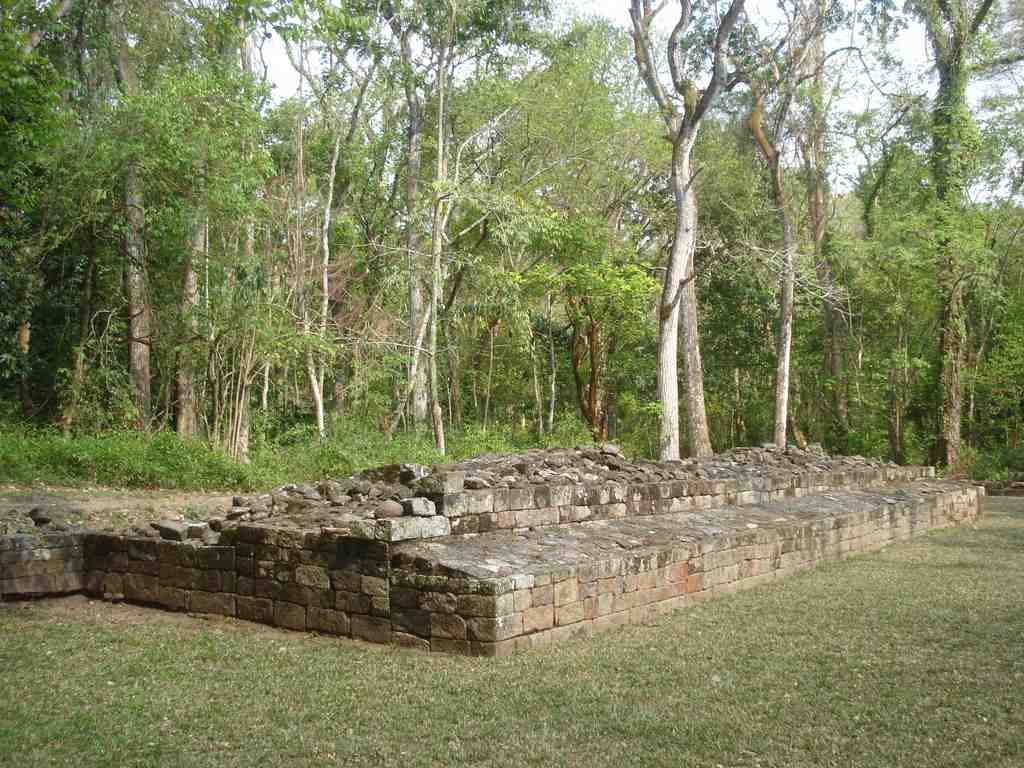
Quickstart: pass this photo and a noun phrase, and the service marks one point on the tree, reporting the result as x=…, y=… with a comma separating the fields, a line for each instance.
x=953, y=31
x=683, y=108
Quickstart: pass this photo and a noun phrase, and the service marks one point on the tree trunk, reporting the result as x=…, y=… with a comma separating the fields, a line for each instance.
x=70, y=412
x=785, y=340
x=678, y=313
x=133, y=246
x=136, y=286
x=186, y=416
x=553, y=368
x=951, y=128
x=414, y=105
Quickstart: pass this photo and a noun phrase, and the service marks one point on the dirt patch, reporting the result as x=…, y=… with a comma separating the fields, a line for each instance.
x=104, y=508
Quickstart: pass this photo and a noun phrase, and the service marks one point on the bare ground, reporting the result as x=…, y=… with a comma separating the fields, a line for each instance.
x=103, y=508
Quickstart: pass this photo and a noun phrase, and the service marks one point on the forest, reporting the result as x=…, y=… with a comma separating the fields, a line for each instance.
x=483, y=225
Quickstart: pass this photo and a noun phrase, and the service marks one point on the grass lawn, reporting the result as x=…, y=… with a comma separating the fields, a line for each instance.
x=910, y=657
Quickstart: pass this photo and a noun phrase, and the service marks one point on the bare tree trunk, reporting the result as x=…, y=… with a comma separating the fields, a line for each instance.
x=186, y=416
x=136, y=284
x=23, y=337
x=553, y=368
x=678, y=313
x=678, y=305
x=785, y=343
x=316, y=371
x=414, y=105
x=442, y=206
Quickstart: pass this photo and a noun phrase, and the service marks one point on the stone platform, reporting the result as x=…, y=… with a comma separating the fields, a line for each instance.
x=502, y=552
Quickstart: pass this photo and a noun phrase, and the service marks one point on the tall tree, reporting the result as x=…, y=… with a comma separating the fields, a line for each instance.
x=953, y=28
x=683, y=107
x=136, y=278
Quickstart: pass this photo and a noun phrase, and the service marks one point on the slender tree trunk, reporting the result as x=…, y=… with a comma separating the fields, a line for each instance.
x=133, y=246
x=414, y=106
x=186, y=416
x=70, y=413
x=678, y=313
x=23, y=337
x=437, y=238
x=815, y=173
x=553, y=369
x=136, y=284
x=785, y=341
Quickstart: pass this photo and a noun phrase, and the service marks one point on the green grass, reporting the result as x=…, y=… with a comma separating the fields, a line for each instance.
x=135, y=460
x=909, y=657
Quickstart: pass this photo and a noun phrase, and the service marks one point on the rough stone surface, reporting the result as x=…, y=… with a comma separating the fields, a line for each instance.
x=498, y=554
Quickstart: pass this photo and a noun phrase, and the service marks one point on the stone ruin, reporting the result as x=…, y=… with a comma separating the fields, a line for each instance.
x=498, y=553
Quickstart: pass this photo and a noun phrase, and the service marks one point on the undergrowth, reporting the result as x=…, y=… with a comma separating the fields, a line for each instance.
x=32, y=455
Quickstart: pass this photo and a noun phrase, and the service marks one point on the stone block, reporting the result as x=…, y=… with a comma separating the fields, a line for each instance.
x=371, y=629
x=419, y=507
x=520, y=498
x=348, y=581
x=447, y=645
x=543, y=595
x=532, y=518
x=409, y=528
x=312, y=576
x=140, y=588
x=438, y=602
x=215, y=558
x=142, y=549
x=172, y=598
x=454, y=505
x=479, y=502
x=560, y=495
x=289, y=615
x=522, y=599
x=257, y=609
x=539, y=618
x=567, y=591
x=484, y=605
x=494, y=629
x=328, y=621
x=569, y=613
x=411, y=621
x=447, y=625
x=220, y=603
x=405, y=640
x=373, y=586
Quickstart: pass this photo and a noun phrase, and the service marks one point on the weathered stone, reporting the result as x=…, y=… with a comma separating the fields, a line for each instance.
x=328, y=621
x=312, y=576
x=389, y=508
x=257, y=609
x=212, y=602
x=419, y=506
x=406, y=528
x=537, y=619
x=289, y=615
x=411, y=620
x=371, y=629
x=447, y=625
x=494, y=629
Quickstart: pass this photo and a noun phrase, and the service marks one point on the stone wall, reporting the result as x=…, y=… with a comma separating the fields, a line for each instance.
x=37, y=565
x=487, y=571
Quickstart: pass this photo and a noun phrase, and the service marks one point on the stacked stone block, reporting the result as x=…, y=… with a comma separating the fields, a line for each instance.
x=47, y=564
x=391, y=580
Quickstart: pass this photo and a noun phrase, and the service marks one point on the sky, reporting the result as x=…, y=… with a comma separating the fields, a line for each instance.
x=859, y=91
x=910, y=45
